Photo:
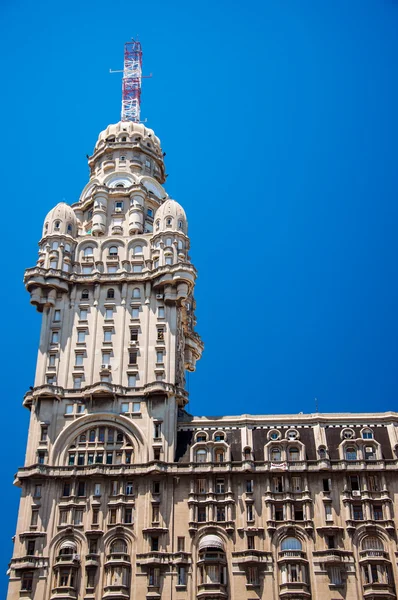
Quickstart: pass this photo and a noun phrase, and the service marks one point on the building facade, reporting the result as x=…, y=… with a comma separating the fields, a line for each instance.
x=124, y=495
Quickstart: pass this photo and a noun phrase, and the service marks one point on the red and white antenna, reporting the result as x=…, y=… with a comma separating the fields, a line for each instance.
x=131, y=83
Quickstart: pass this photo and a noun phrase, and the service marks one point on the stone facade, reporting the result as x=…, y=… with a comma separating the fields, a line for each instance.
x=124, y=495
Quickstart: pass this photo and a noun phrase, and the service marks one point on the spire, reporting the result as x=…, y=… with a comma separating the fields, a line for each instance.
x=131, y=86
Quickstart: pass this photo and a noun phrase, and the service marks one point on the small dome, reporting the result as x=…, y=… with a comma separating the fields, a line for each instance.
x=128, y=129
x=61, y=219
x=170, y=216
x=211, y=541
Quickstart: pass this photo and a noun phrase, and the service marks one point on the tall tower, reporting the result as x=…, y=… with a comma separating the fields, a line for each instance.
x=114, y=284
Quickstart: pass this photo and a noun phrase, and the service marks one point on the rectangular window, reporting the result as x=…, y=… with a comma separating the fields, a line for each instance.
x=107, y=336
x=181, y=576
x=78, y=517
x=112, y=516
x=181, y=544
x=201, y=486
x=125, y=407
x=118, y=205
x=135, y=313
x=81, y=337
x=252, y=575
x=202, y=514
x=57, y=315
x=249, y=486
x=81, y=488
x=51, y=360
x=159, y=357
x=328, y=512
x=161, y=312
x=66, y=489
x=77, y=383
x=55, y=337
x=331, y=542
x=298, y=513
x=335, y=576
x=133, y=357
x=128, y=515
x=373, y=483
x=357, y=512
x=63, y=517
x=40, y=458
x=136, y=405
x=249, y=512
x=137, y=268
x=99, y=458
x=296, y=484
x=156, y=487
x=79, y=359
x=80, y=409
x=154, y=543
x=326, y=486
x=132, y=382
x=106, y=358
x=156, y=453
x=220, y=513
x=220, y=486
x=97, y=489
x=155, y=513
x=377, y=512
x=160, y=334
x=277, y=484
x=128, y=490
x=27, y=581
x=44, y=433
x=30, y=549
x=80, y=459
x=354, y=483
x=71, y=459
x=95, y=514
x=37, y=492
x=250, y=542
x=34, y=517
x=157, y=430
x=109, y=458
x=90, y=458
x=86, y=270
x=83, y=314
x=109, y=313
x=134, y=335
x=153, y=577
x=115, y=488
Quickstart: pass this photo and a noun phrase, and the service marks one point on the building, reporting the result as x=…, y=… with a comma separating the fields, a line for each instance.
x=124, y=495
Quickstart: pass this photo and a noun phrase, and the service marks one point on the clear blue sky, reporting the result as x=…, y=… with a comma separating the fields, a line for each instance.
x=279, y=119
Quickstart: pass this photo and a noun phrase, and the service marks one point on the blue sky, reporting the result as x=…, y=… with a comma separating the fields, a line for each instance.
x=280, y=124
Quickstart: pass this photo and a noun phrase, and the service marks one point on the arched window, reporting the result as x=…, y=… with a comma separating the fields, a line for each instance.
x=57, y=225
x=84, y=294
x=247, y=453
x=119, y=185
x=69, y=228
x=372, y=543
x=136, y=293
x=350, y=453
x=291, y=543
x=101, y=445
x=201, y=455
x=219, y=437
x=294, y=453
x=169, y=241
x=45, y=228
x=180, y=225
x=124, y=139
x=137, y=250
x=322, y=453
x=54, y=246
x=110, y=293
x=83, y=438
x=88, y=251
x=92, y=435
x=68, y=547
x=275, y=454
x=219, y=455
x=157, y=224
x=113, y=251
x=119, y=546
x=169, y=222
x=367, y=434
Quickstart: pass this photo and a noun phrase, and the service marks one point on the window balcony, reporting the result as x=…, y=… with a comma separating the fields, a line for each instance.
x=373, y=556
x=382, y=590
x=63, y=593
x=116, y=592
x=292, y=555
x=92, y=560
x=153, y=559
x=118, y=558
x=296, y=589
x=332, y=556
x=212, y=590
x=250, y=557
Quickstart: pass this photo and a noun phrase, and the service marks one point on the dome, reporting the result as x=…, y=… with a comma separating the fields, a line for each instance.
x=61, y=219
x=211, y=541
x=170, y=216
x=118, y=130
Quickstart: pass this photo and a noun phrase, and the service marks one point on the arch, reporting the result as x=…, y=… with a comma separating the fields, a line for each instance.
x=291, y=543
x=110, y=293
x=367, y=433
x=153, y=186
x=137, y=250
x=67, y=547
x=114, y=179
x=211, y=541
x=201, y=436
x=75, y=428
x=201, y=455
x=371, y=542
x=136, y=292
x=275, y=453
x=350, y=453
x=118, y=545
x=88, y=250
x=293, y=453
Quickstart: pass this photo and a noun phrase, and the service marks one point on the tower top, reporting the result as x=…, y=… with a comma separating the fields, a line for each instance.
x=131, y=85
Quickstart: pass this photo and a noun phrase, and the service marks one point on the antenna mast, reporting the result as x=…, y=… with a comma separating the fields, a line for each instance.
x=131, y=86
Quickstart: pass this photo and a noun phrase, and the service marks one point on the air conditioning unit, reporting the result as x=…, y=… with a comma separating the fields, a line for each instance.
x=118, y=209
x=133, y=343
x=105, y=366
x=356, y=493
x=159, y=296
x=76, y=557
x=369, y=449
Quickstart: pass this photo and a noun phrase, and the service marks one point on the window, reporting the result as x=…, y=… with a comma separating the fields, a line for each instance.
x=181, y=544
x=135, y=313
x=137, y=268
x=80, y=458
x=322, y=453
x=71, y=459
x=133, y=357
x=220, y=486
x=219, y=455
x=201, y=455
x=81, y=488
x=328, y=512
x=357, y=512
x=124, y=407
x=110, y=293
x=277, y=484
x=57, y=225
x=292, y=435
x=250, y=542
x=37, y=491
x=370, y=453
x=69, y=409
x=219, y=437
x=153, y=577
x=252, y=575
x=66, y=489
x=154, y=543
x=354, y=483
x=373, y=483
x=294, y=454
x=40, y=458
x=128, y=515
x=136, y=293
x=84, y=295
x=157, y=430
x=30, y=550
x=78, y=516
x=156, y=487
x=55, y=337
x=377, y=512
x=296, y=484
x=350, y=453
x=291, y=543
x=160, y=334
x=63, y=517
x=249, y=512
x=156, y=453
x=275, y=454
x=51, y=360
x=83, y=314
x=128, y=490
x=57, y=315
x=112, y=516
x=347, y=434
x=202, y=516
x=79, y=359
x=136, y=405
x=81, y=337
x=137, y=250
x=106, y=358
x=161, y=312
x=168, y=259
x=249, y=486
x=155, y=513
x=77, y=383
x=330, y=542
x=201, y=486
x=34, y=517
x=27, y=581
x=132, y=382
x=134, y=335
x=44, y=433
x=335, y=576
x=86, y=270
x=326, y=485
x=53, y=263
x=97, y=489
x=159, y=357
x=367, y=434
x=108, y=314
